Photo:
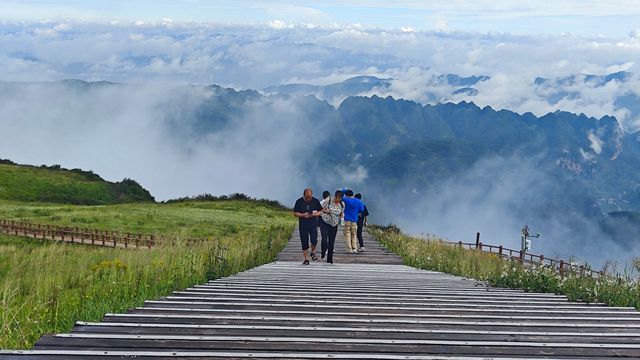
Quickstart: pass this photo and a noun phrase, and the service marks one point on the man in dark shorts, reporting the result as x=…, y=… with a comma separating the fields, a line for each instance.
x=307, y=209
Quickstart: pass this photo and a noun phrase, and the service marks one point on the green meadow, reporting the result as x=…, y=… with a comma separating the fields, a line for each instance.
x=46, y=286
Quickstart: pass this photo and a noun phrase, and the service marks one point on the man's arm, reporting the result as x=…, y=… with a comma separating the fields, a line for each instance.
x=301, y=215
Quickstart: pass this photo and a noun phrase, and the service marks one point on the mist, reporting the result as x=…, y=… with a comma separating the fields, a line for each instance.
x=150, y=133
x=497, y=196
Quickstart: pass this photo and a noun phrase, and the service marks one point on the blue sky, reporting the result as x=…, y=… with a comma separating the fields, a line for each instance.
x=586, y=18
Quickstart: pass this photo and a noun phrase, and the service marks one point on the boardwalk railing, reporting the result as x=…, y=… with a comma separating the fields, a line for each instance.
x=77, y=235
x=561, y=266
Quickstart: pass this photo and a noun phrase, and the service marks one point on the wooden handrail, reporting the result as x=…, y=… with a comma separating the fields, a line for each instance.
x=107, y=238
x=561, y=266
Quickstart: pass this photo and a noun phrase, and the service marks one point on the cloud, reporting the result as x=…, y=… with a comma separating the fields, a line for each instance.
x=259, y=56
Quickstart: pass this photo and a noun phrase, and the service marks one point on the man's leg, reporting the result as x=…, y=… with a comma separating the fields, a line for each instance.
x=359, y=234
x=354, y=236
x=313, y=235
x=304, y=240
x=346, y=229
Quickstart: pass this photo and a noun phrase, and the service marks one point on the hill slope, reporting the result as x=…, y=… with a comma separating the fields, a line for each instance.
x=58, y=185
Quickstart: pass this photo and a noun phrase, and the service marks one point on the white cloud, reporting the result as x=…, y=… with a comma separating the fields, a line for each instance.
x=282, y=52
x=595, y=143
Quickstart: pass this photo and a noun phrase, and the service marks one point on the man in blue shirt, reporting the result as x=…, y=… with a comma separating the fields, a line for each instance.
x=352, y=208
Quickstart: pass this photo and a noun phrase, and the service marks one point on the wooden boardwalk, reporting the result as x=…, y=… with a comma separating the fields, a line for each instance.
x=354, y=309
x=374, y=252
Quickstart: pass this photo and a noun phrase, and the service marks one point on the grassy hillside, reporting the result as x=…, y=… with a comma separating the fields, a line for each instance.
x=57, y=185
x=45, y=287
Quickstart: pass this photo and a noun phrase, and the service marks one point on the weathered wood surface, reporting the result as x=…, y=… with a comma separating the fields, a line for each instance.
x=374, y=253
x=365, y=306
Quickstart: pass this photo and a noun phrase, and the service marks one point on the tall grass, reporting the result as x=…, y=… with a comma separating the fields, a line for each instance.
x=499, y=272
x=45, y=286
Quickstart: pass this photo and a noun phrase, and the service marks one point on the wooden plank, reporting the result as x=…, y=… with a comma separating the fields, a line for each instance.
x=194, y=316
x=64, y=354
x=341, y=345
x=471, y=331
x=386, y=307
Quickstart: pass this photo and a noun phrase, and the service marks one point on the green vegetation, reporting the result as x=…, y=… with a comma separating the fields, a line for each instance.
x=235, y=196
x=178, y=220
x=45, y=287
x=57, y=185
x=499, y=272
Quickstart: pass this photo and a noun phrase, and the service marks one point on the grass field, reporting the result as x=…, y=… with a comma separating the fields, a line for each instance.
x=45, y=287
x=189, y=219
x=434, y=255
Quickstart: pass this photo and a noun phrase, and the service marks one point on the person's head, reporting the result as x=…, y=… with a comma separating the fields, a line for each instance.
x=325, y=194
x=349, y=193
x=338, y=196
x=358, y=196
x=307, y=194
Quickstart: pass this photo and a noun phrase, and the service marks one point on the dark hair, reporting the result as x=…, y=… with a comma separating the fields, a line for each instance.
x=358, y=196
x=338, y=193
x=349, y=193
x=325, y=194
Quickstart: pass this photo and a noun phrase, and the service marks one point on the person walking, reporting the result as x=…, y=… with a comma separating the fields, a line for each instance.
x=352, y=208
x=324, y=227
x=362, y=222
x=331, y=216
x=307, y=209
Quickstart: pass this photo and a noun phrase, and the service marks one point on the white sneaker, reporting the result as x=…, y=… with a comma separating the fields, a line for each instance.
x=361, y=249
x=354, y=251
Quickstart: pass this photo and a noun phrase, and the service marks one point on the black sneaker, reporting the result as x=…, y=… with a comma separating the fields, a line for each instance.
x=305, y=262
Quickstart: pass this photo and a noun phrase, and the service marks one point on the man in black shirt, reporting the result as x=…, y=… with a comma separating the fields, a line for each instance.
x=362, y=222
x=307, y=209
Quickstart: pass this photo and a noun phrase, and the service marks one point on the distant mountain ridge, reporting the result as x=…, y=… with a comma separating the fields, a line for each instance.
x=336, y=92
x=454, y=88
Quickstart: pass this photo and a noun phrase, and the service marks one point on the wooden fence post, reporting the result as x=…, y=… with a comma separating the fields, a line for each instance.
x=477, y=240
